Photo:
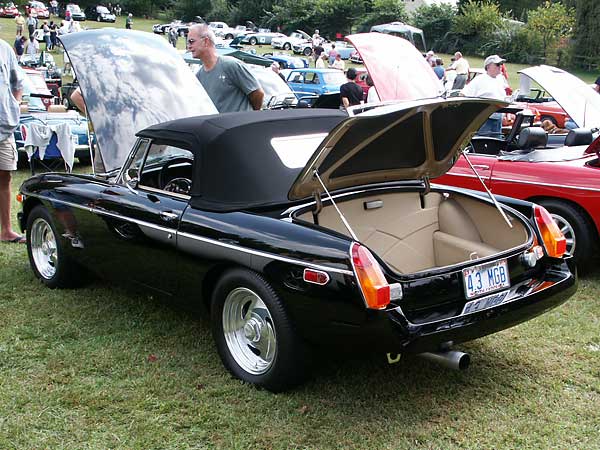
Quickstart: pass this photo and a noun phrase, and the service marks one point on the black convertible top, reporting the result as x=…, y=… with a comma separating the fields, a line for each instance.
x=235, y=165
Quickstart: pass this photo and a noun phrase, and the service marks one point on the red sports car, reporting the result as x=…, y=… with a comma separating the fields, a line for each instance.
x=37, y=9
x=560, y=172
x=8, y=10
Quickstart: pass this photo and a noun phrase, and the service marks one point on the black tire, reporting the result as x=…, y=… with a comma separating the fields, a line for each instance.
x=65, y=102
x=86, y=160
x=253, y=41
x=307, y=51
x=63, y=272
x=576, y=226
x=97, y=18
x=181, y=33
x=287, y=46
x=288, y=366
x=229, y=36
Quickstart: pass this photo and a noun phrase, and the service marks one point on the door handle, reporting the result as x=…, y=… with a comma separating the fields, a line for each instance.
x=168, y=216
x=481, y=166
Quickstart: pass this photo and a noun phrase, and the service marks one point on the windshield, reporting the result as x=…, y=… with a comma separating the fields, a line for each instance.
x=102, y=10
x=334, y=78
x=34, y=103
x=74, y=8
x=37, y=5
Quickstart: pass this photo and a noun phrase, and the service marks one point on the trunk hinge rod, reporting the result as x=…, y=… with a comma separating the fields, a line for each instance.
x=346, y=224
x=318, y=207
x=498, y=207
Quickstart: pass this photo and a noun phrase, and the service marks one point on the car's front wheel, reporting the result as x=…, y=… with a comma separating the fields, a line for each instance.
x=287, y=46
x=255, y=337
x=47, y=252
x=253, y=41
x=307, y=51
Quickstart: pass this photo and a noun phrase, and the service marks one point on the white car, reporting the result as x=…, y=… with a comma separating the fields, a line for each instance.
x=221, y=29
x=287, y=42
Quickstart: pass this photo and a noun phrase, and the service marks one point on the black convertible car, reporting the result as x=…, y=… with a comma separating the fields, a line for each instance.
x=295, y=229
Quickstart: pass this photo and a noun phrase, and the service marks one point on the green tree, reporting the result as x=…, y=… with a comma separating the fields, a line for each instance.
x=382, y=11
x=435, y=21
x=587, y=30
x=551, y=21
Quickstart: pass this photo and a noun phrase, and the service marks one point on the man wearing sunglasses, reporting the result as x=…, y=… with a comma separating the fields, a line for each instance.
x=228, y=82
x=491, y=84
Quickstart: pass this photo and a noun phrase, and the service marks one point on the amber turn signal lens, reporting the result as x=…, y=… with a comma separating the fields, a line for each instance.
x=553, y=239
x=372, y=282
x=19, y=198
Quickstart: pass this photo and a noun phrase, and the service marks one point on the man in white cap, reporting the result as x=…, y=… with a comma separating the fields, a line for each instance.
x=491, y=84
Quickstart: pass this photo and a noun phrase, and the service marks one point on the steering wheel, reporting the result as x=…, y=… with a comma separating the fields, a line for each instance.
x=164, y=171
x=179, y=186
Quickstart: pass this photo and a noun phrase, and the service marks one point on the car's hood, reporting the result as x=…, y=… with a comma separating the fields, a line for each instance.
x=131, y=80
x=578, y=100
x=404, y=141
x=398, y=70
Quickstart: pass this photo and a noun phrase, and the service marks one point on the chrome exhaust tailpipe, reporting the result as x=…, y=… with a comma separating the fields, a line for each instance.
x=452, y=359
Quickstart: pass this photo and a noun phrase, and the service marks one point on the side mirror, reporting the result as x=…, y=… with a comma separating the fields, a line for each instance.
x=132, y=184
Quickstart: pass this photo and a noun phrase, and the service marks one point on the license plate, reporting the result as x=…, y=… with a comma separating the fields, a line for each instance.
x=485, y=278
x=484, y=303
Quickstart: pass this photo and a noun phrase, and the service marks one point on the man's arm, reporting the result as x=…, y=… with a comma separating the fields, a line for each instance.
x=77, y=99
x=256, y=98
x=345, y=102
x=16, y=79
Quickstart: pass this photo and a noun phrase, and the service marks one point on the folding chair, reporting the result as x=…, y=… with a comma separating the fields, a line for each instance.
x=53, y=160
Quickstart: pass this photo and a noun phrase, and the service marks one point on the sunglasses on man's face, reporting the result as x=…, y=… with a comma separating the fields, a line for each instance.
x=499, y=64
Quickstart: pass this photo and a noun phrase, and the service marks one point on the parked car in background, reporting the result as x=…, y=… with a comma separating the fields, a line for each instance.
x=100, y=13
x=288, y=61
x=355, y=57
x=38, y=107
x=75, y=10
x=221, y=29
x=286, y=43
x=314, y=81
x=38, y=9
x=8, y=10
x=304, y=249
x=261, y=38
x=343, y=48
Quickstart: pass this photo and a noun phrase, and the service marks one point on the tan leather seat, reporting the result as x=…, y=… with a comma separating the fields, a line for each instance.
x=57, y=109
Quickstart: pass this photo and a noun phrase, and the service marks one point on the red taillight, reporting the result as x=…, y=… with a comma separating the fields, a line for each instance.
x=23, y=133
x=372, y=282
x=316, y=276
x=552, y=238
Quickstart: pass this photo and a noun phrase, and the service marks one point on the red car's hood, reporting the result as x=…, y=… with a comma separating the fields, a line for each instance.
x=578, y=99
x=397, y=68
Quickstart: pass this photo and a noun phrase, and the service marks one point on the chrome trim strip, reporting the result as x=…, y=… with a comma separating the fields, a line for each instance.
x=199, y=238
x=268, y=255
x=510, y=180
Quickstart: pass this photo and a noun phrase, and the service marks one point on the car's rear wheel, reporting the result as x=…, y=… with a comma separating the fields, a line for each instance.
x=229, y=36
x=255, y=337
x=287, y=46
x=307, y=51
x=46, y=252
x=576, y=228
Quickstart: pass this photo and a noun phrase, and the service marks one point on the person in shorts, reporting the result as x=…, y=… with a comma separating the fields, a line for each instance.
x=11, y=89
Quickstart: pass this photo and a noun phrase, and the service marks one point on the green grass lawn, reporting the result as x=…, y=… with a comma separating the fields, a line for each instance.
x=99, y=368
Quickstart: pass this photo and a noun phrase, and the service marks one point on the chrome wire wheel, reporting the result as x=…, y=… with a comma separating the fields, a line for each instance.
x=567, y=230
x=43, y=248
x=249, y=331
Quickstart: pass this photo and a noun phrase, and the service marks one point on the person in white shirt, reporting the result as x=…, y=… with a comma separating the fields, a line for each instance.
x=461, y=67
x=338, y=63
x=491, y=84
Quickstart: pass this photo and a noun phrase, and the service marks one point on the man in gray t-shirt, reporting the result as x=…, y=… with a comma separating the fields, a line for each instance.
x=229, y=84
x=11, y=89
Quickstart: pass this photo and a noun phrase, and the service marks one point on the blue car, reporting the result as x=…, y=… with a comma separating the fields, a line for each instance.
x=307, y=82
x=289, y=62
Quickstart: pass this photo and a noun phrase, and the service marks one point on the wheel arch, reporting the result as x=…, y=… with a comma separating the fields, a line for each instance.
x=28, y=206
